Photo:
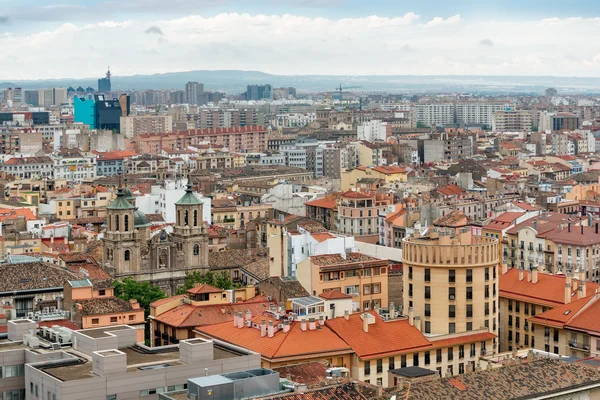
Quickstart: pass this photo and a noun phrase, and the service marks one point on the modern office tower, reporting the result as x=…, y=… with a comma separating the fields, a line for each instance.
x=104, y=83
x=125, y=102
x=259, y=92
x=194, y=93
x=32, y=98
x=108, y=113
x=84, y=111
x=451, y=281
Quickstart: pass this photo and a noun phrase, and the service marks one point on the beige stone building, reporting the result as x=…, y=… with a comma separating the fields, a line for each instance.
x=131, y=249
x=451, y=282
x=135, y=124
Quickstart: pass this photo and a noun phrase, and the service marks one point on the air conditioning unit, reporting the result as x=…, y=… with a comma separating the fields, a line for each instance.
x=526, y=328
x=451, y=297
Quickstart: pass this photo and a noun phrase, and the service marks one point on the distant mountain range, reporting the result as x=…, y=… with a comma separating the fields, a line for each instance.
x=233, y=81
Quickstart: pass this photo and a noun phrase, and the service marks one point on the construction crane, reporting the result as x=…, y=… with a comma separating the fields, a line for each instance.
x=344, y=88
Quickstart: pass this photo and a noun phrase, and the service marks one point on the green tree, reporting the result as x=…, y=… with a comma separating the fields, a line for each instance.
x=421, y=125
x=194, y=278
x=144, y=293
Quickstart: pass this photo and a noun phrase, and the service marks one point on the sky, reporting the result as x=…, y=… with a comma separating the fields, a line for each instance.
x=42, y=39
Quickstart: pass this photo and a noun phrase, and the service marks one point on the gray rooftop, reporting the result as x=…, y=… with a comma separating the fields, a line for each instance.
x=307, y=301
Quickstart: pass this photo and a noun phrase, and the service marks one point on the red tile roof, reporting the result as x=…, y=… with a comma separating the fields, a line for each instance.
x=351, y=194
x=295, y=343
x=560, y=315
x=451, y=190
x=334, y=295
x=11, y=213
x=204, y=288
x=321, y=237
x=61, y=322
x=188, y=315
x=324, y=202
x=382, y=338
x=390, y=169
x=548, y=291
x=587, y=319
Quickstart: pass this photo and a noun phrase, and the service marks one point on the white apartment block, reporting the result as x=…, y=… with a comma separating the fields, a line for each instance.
x=372, y=131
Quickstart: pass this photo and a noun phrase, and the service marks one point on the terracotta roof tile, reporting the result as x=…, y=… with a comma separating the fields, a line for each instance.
x=204, y=288
x=334, y=295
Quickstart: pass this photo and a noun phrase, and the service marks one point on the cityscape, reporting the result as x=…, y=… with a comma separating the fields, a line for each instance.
x=299, y=200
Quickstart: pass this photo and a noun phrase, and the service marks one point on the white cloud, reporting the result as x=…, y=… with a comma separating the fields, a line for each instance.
x=437, y=21
x=292, y=44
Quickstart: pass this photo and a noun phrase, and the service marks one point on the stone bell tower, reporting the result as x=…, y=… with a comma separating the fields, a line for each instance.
x=121, y=244
x=189, y=232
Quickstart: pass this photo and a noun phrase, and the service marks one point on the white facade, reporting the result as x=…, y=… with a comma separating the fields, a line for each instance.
x=372, y=131
x=293, y=120
x=294, y=156
x=303, y=245
x=75, y=168
x=162, y=200
x=288, y=198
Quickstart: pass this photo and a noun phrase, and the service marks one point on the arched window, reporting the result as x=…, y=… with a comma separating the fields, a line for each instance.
x=126, y=223
x=196, y=249
x=127, y=255
x=195, y=217
x=116, y=223
x=178, y=217
x=185, y=222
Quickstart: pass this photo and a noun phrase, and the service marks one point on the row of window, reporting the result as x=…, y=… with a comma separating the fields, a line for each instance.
x=8, y=371
x=527, y=308
x=337, y=275
x=452, y=274
x=427, y=358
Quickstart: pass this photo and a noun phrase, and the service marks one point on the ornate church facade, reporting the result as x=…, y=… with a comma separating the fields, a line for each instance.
x=132, y=250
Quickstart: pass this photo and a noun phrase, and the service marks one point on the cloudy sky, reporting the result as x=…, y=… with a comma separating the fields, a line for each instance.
x=79, y=38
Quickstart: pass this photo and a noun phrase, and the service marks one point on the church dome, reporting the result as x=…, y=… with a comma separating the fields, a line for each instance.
x=140, y=220
x=128, y=194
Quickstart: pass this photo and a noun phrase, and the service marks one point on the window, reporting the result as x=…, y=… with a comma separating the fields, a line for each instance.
x=196, y=249
x=95, y=321
x=517, y=306
x=410, y=290
x=517, y=337
x=451, y=327
x=427, y=327
x=450, y=353
x=487, y=291
x=452, y=293
x=469, y=293
x=113, y=396
x=101, y=292
x=533, y=310
x=451, y=311
x=469, y=311
x=126, y=223
x=470, y=326
x=402, y=361
x=416, y=360
x=113, y=320
x=510, y=306
x=379, y=366
x=391, y=363
x=451, y=276
x=461, y=351
x=427, y=275
x=132, y=317
x=427, y=359
x=438, y=356
x=469, y=275
x=517, y=322
x=461, y=368
x=410, y=272
x=379, y=381
x=427, y=292
x=526, y=308
x=472, y=350
x=428, y=310
x=14, y=370
x=487, y=274
x=555, y=335
x=127, y=255
x=510, y=336
x=367, y=367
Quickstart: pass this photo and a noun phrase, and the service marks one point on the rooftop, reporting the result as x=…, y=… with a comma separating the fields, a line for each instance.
x=527, y=380
x=35, y=275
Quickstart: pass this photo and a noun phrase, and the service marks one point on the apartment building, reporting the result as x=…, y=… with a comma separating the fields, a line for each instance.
x=561, y=121
x=29, y=167
x=75, y=166
x=435, y=114
x=444, y=147
x=571, y=329
x=513, y=121
x=358, y=212
x=477, y=113
x=135, y=124
x=527, y=294
x=218, y=118
x=236, y=139
x=363, y=277
x=451, y=281
x=106, y=363
x=324, y=210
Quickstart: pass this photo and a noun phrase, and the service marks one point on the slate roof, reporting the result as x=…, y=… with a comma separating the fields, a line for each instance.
x=36, y=275
x=107, y=305
x=527, y=380
x=342, y=392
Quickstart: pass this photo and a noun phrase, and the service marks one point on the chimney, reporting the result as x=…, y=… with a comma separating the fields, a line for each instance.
x=583, y=289
x=569, y=278
x=248, y=315
x=346, y=315
x=567, y=293
x=580, y=294
x=270, y=329
x=235, y=318
x=534, y=275
x=418, y=322
x=303, y=324
x=286, y=326
x=366, y=322
x=528, y=275
x=240, y=320
x=392, y=310
x=520, y=274
x=411, y=317
x=321, y=320
x=263, y=328
x=504, y=268
x=574, y=284
x=312, y=325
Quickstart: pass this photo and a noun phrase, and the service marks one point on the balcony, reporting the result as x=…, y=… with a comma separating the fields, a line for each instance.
x=579, y=346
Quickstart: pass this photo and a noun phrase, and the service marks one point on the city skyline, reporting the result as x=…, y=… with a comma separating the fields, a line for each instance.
x=338, y=37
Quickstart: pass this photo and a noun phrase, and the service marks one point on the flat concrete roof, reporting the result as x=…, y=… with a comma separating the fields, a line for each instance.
x=101, y=332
